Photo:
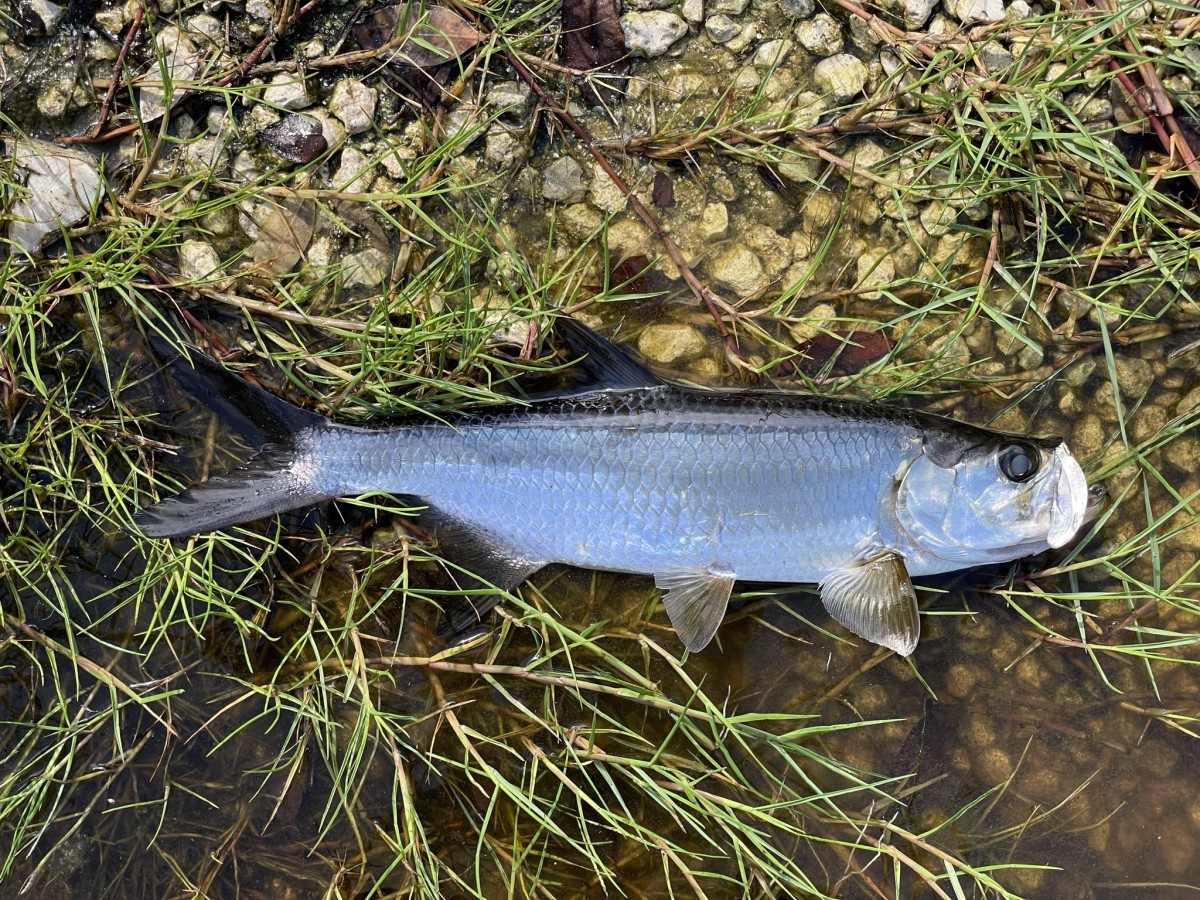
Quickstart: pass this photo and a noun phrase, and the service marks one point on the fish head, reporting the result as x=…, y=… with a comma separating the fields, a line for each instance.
x=994, y=498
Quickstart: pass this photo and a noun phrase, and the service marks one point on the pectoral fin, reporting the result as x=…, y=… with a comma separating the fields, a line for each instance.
x=695, y=598
x=875, y=599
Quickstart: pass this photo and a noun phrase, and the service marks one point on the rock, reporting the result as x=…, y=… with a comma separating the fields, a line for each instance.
x=772, y=248
x=1134, y=376
x=1018, y=11
x=714, y=223
x=604, y=194
x=198, y=261
x=580, y=221
x=208, y=27
x=563, y=181
x=181, y=60
x=206, y=154
x=61, y=187
x=843, y=76
x=510, y=96
x=729, y=7
x=873, y=270
x=505, y=148
x=354, y=104
x=53, y=101
x=995, y=57
x=721, y=29
x=671, y=343
x=772, y=54
x=354, y=171
x=814, y=322
x=111, y=22
x=975, y=12
x=46, y=13
x=298, y=139
x=693, y=11
x=738, y=269
x=821, y=35
x=937, y=218
x=287, y=91
x=917, y=12
x=743, y=39
x=283, y=232
x=368, y=268
x=798, y=9
x=652, y=33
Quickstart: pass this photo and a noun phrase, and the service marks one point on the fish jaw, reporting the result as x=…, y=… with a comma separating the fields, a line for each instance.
x=1072, y=500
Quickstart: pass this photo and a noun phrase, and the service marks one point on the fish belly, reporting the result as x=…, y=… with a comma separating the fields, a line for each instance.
x=767, y=503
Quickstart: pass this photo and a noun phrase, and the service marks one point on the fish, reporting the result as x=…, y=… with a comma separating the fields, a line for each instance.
x=631, y=472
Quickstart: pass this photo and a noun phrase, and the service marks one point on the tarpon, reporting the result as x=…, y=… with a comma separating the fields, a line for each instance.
x=697, y=488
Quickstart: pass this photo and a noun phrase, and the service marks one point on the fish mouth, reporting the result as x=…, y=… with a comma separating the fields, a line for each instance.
x=1073, y=503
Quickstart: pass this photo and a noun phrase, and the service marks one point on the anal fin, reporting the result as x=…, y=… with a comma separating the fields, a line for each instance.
x=696, y=598
x=875, y=599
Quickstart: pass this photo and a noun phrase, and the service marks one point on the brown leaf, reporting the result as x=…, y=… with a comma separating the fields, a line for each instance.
x=663, y=193
x=636, y=275
x=298, y=139
x=592, y=40
x=437, y=36
x=855, y=350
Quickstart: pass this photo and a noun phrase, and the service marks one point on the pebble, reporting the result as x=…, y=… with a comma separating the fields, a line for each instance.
x=721, y=29
x=693, y=11
x=510, y=96
x=1133, y=375
x=354, y=171
x=820, y=35
x=731, y=7
x=975, y=12
x=714, y=222
x=368, y=268
x=873, y=270
x=287, y=91
x=842, y=75
x=671, y=343
x=798, y=9
x=937, y=218
x=62, y=184
x=198, y=261
x=738, y=269
x=354, y=104
x=563, y=181
x=773, y=249
x=917, y=12
x=603, y=193
x=652, y=33
x=772, y=53
x=504, y=147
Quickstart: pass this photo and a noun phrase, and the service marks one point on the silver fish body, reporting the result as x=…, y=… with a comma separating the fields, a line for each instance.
x=696, y=488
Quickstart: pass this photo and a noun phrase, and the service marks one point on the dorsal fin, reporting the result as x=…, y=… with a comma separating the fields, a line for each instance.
x=605, y=366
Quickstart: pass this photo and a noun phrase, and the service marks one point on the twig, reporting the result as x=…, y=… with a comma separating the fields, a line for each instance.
x=113, y=83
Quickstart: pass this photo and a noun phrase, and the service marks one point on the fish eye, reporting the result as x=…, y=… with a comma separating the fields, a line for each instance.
x=1019, y=462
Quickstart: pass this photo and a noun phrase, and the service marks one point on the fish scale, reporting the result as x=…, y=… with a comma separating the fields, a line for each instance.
x=638, y=485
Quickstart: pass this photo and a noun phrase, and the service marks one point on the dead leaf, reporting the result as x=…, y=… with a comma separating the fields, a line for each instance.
x=436, y=35
x=60, y=188
x=298, y=139
x=854, y=351
x=283, y=236
x=592, y=41
x=663, y=192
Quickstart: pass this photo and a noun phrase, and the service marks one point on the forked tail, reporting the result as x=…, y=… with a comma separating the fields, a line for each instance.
x=281, y=476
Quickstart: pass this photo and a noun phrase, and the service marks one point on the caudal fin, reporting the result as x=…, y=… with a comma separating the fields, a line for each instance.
x=278, y=478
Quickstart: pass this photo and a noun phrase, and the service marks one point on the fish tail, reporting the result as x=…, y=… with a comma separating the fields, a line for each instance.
x=281, y=476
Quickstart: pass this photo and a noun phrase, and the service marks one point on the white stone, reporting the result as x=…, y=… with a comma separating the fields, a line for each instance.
x=671, y=342
x=937, y=218
x=604, y=194
x=287, y=91
x=354, y=171
x=975, y=12
x=198, y=261
x=49, y=13
x=181, y=61
x=917, y=12
x=772, y=53
x=504, y=148
x=721, y=29
x=693, y=11
x=821, y=35
x=61, y=187
x=508, y=95
x=354, y=104
x=730, y=7
x=651, y=34
x=206, y=154
x=843, y=76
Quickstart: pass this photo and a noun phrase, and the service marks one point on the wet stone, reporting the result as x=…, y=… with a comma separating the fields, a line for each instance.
x=197, y=261
x=693, y=11
x=714, y=222
x=354, y=171
x=504, y=148
x=738, y=269
x=671, y=343
x=651, y=34
x=368, y=268
x=604, y=194
x=917, y=12
x=730, y=7
x=843, y=76
x=772, y=53
x=511, y=96
x=773, y=249
x=873, y=270
x=563, y=181
x=287, y=91
x=937, y=218
x=798, y=9
x=820, y=35
x=354, y=104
